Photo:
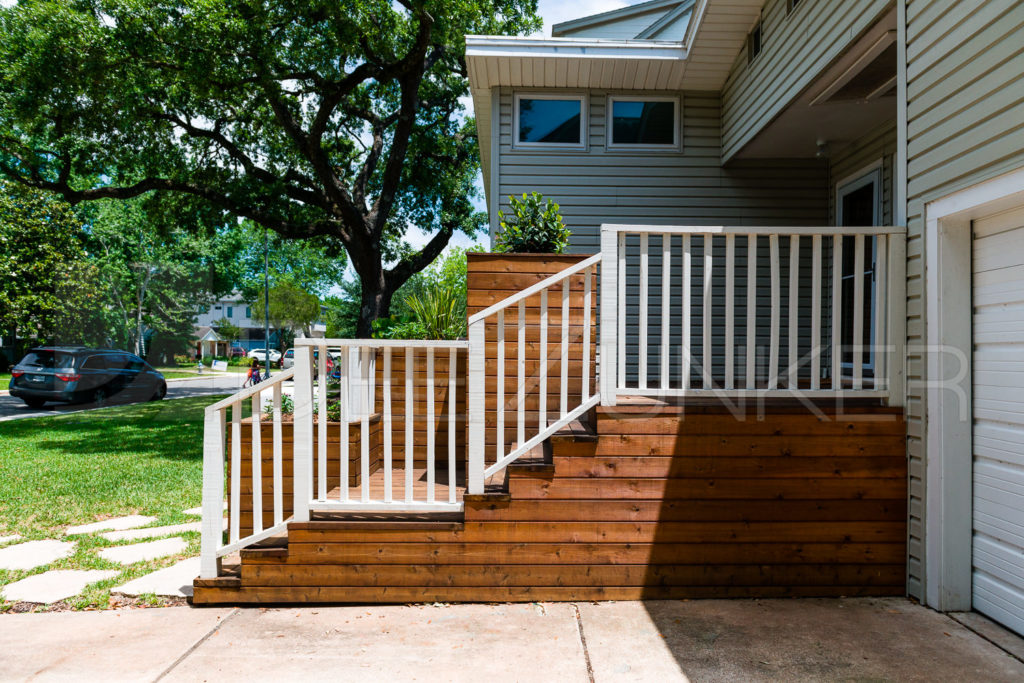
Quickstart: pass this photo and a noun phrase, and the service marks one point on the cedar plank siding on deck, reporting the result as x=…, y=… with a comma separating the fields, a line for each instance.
x=660, y=505
x=796, y=48
x=965, y=117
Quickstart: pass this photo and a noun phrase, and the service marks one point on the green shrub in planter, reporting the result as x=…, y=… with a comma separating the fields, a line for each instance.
x=536, y=227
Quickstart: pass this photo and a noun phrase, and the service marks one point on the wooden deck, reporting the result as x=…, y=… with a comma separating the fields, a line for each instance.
x=658, y=501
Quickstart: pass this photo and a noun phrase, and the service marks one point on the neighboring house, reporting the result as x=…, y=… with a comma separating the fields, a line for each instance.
x=655, y=124
x=234, y=308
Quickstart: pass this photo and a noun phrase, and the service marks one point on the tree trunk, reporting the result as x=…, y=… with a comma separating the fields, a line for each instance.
x=375, y=304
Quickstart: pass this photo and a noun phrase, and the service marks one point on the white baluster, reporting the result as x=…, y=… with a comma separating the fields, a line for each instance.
x=621, y=297
x=858, y=312
x=564, y=361
x=452, y=370
x=476, y=399
x=881, y=297
x=837, y=312
x=345, y=413
x=585, y=391
x=730, y=312
x=794, y=310
x=364, y=423
x=751, y=339
x=257, y=466
x=387, y=423
x=409, y=422
x=542, y=417
x=521, y=384
x=500, y=390
x=666, y=309
x=687, y=296
x=431, y=426
x=816, y=313
x=706, y=324
x=236, y=469
x=644, y=301
x=321, y=445
x=302, y=456
x=773, y=357
x=278, y=449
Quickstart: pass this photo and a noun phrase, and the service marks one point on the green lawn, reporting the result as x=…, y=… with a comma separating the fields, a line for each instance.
x=75, y=469
x=5, y=379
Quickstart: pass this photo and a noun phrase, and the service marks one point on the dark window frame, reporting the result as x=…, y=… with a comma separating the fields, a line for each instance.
x=755, y=40
x=677, y=128
x=584, y=101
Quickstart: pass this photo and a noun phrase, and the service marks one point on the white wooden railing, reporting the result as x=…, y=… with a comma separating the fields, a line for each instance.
x=530, y=430
x=406, y=407
x=677, y=319
x=215, y=460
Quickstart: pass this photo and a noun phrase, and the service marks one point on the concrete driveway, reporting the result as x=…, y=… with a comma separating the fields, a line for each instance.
x=704, y=640
x=14, y=408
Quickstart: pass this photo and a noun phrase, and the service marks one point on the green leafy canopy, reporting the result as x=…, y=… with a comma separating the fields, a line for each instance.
x=337, y=119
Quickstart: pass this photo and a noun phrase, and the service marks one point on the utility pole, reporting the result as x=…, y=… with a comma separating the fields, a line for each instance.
x=266, y=302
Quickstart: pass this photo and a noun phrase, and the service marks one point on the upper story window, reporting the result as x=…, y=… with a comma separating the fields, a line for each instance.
x=651, y=122
x=791, y=5
x=231, y=312
x=550, y=120
x=754, y=40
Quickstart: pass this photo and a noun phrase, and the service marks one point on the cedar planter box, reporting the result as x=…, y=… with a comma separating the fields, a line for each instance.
x=492, y=278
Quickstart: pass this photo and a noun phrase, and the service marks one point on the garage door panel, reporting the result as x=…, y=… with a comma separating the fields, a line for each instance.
x=999, y=602
x=999, y=569
x=998, y=417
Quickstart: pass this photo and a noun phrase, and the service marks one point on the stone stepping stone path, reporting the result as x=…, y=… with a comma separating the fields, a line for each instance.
x=174, y=581
x=151, y=532
x=34, y=554
x=4, y=540
x=55, y=585
x=130, y=522
x=140, y=552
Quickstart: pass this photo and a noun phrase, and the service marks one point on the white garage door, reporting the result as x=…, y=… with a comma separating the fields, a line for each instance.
x=998, y=545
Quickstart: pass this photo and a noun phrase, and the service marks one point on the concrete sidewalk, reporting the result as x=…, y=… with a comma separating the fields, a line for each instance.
x=710, y=640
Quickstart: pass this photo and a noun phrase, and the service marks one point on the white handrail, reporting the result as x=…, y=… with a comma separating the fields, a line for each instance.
x=385, y=343
x=759, y=231
x=212, y=545
x=568, y=408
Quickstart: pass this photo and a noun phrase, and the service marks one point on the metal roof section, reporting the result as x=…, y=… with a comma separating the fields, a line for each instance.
x=619, y=20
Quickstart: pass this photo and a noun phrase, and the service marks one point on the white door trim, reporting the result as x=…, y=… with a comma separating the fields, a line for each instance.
x=949, y=337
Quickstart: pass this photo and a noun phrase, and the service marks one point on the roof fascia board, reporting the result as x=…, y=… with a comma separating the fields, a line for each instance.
x=511, y=46
x=665, y=20
x=696, y=18
x=612, y=15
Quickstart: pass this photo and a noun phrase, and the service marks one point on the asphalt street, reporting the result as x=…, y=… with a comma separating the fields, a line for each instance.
x=14, y=408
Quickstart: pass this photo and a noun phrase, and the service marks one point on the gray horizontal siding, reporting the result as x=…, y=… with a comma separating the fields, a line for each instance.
x=965, y=121
x=687, y=187
x=599, y=185
x=797, y=46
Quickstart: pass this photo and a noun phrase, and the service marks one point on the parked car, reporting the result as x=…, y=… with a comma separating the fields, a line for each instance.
x=236, y=352
x=78, y=374
x=288, y=360
x=261, y=355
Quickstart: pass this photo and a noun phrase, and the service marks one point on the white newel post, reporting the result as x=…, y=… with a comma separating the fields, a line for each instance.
x=609, y=288
x=476, y=402
x=213, y=493
x=302, y=457
x=896, y=326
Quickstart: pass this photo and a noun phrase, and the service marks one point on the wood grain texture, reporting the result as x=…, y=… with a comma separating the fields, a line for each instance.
x=657, y=505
